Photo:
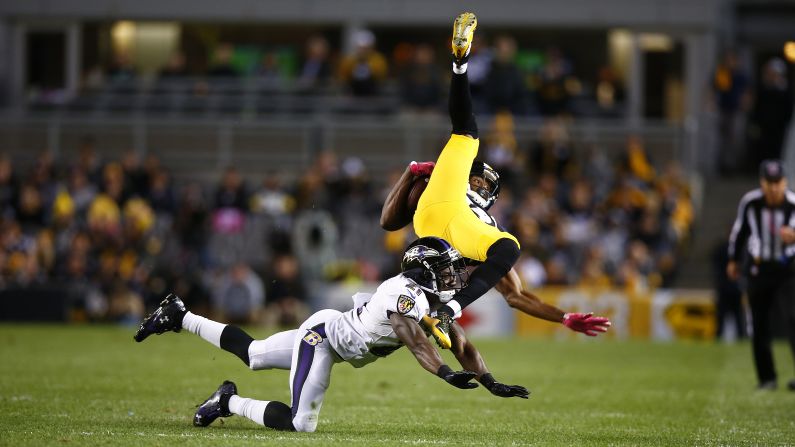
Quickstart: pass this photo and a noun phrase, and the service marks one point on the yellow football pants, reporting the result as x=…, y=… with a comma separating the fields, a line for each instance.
x=443, y=210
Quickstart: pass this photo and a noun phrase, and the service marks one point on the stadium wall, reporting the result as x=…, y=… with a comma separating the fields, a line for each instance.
x=651, y=314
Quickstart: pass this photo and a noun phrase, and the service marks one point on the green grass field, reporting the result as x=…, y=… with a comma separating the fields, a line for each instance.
x=92, y=385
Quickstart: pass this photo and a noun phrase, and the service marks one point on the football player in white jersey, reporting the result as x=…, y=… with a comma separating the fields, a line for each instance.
x=432, y=271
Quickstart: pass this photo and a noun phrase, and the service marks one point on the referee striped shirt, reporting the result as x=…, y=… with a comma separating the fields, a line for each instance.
x=758, y=228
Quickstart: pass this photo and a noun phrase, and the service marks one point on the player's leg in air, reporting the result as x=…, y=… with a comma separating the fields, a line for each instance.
x=443, y=210
x=275, y=352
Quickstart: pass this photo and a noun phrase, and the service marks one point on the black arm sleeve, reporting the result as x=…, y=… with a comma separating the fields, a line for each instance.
x=499, y=260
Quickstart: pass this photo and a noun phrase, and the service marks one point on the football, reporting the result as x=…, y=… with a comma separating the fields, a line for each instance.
x=417, y=188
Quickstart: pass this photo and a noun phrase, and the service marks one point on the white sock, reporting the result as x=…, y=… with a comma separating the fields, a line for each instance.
x=460, y=70
x=248, y=408
x=207, y=329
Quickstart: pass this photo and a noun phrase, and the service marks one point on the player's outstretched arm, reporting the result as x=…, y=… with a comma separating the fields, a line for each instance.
x=467, y=354
x=412, y=335
x=510, y=286
x=395, y=213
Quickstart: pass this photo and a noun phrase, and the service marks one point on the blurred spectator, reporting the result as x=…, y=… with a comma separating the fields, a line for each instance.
x=42, y=174
x=314, y=239
x=139, y=219
x=93, y=79
x=593, y=270
x=135, y=180
x=30, y=210
x=122, y=72
x=365, y=69
x=231, y=192
x=19, y=254
x=222, y=67
x=104, y=221
x=321, y=183
x=113, y=185
x=609, y=93
x=579, y=226
x=80, y=190
x=175, y=69
x=771, y=113
x=421, y=81
x=637, y=273
x=268, y=69
x=316, y=70
x=229, y=220
x=9, y=186
x=124, y=305
x=552, y=153
x=272, y=199
x=504, y=89
x=635, y=161
x=731, y=87
x=501, y=152
x=674, y=191
x=239, y=295
x=583, y=220
x=191, y=225
x=356, y=214
x=88, y=161
x=286, y=293
x=529, y=266
x=555, y=85
x=160, y=193
x=598, y=169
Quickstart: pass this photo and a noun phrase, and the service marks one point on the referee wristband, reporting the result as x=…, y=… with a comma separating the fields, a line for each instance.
x=443, y=371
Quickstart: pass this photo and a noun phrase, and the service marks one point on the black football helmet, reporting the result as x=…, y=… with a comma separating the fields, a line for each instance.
x=485, y=198
x=435, y=266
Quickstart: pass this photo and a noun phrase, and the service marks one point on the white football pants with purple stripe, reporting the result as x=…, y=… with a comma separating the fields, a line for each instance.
x=310, y=372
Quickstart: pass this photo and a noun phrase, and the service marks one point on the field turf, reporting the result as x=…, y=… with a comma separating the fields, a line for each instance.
x=92, y=385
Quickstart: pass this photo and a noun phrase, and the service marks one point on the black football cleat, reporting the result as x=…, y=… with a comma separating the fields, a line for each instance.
x=215, y=406
x=167, y=317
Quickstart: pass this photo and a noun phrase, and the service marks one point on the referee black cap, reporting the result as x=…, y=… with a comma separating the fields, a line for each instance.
x=771, y=170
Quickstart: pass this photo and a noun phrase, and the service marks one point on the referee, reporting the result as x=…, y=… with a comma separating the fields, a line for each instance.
x=765, y=230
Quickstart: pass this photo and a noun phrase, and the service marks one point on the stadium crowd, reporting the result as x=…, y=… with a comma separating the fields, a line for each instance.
x=119, y=234
x=408, y=77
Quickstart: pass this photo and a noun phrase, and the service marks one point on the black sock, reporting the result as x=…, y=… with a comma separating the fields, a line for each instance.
x=499, y=259
x=460, y=106
x=278, y=416
x=236, y=341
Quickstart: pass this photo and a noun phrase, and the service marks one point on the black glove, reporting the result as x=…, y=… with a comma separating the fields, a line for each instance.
x=459, y=379
x=501, y=389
